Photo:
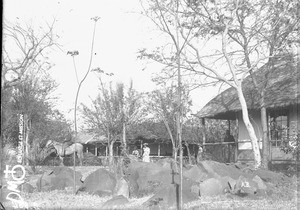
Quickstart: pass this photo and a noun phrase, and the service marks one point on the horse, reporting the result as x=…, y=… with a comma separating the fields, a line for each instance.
x=63, y=150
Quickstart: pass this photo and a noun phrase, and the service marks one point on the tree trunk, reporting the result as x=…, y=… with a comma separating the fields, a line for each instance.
x=250, y=129
x=111, y=152
x=27, y=132
x=189, y=152
x=265, y=148
x=124, y=149
x=175, y=156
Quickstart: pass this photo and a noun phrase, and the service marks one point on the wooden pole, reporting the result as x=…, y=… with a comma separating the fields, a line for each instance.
x=203, y=133
x=158, y=150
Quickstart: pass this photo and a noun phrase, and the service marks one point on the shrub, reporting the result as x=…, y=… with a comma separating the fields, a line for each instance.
x=292, y=144
x=9, y=155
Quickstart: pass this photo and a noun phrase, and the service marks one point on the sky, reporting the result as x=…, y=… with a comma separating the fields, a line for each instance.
x=121, y=32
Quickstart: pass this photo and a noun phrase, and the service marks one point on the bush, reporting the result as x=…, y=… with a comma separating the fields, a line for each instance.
x=91, y=160
x=88, y=160
x=291, y=145
x=9, y=155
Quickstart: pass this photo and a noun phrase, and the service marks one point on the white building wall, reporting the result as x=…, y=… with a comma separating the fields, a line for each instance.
x=244, y=144
x=243, y=133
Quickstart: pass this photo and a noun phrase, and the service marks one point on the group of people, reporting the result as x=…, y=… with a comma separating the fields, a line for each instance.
x=145, y=155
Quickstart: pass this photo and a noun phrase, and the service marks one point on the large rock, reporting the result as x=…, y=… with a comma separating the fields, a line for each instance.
x=228, y=183
x=115, y=202
x=146, y=178
x=165, y=162
x=198, y=174
x=220, y=170
x=58, y=179
x=27, y=188
x=100, y=182
x=260, y=183
x=245, y=186
x=168, y=196
x=212, y=187
x=272, y=177
x=122, y=188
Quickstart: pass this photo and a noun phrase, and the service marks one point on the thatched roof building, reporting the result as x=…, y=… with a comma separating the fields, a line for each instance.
x=282, y=90
x=90, y=138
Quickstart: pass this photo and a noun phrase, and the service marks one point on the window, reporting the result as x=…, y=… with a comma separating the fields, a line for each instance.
x=278, y=123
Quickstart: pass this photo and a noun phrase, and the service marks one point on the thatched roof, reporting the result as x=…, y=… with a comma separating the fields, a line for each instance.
x=282, y=90
x=89, y=138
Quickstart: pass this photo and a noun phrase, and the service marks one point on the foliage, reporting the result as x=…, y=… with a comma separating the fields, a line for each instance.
x=163, y=104
x=112, y=112
x=111, y=108
x=26, y=87
x=32, y=98
x=88, y=160
x=9, y=154
x=224, y=41
x=290, y=144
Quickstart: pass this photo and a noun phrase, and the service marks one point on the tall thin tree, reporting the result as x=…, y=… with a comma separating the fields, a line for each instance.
x=74, y=53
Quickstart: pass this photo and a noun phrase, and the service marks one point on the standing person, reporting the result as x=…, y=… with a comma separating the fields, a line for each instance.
x=146, y=153
x=200, y=154
x=229, y=148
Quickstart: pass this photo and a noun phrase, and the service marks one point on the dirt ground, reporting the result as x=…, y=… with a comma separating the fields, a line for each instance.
x=66, y=199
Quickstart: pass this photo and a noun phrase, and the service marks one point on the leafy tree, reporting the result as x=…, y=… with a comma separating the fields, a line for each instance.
x=24, y=48
x=112, y=112
x=164, y=105
x=42, y=122
x=133, y=112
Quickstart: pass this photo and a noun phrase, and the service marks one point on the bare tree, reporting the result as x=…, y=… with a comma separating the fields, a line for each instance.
x=75, y=53
x=238, y=35
x=24, y=47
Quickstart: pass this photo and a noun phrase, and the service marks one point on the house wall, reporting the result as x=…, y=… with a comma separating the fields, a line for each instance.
x=294, y=116
x=243, y=133
x=245, y=148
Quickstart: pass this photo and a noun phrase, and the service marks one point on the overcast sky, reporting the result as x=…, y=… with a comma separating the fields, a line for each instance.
x=121, y=32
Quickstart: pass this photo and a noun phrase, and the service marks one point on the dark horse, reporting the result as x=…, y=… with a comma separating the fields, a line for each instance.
x=63, y=150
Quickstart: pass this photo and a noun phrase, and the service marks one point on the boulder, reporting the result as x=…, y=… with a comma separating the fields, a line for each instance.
x=146, y=178
x=27, y=188
x=220, y=170
x=122, y=188
x=115, y=202
x=100, y=182
x=228, y=183
x=272, y=177
x=198, y=174
x=165, y=162
x=149, y=178
x=196, y=189
x=245, y=186
x=58, y=179
x=168, y=197
x=260, y=183
x=211, y=187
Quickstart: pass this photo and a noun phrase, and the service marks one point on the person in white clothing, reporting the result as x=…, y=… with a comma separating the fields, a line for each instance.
x=146, y=153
